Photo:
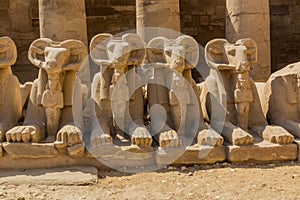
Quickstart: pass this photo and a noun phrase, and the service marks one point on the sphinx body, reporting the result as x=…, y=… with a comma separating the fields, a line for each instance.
x=117, y=90
x=176, y=92
x=11, y=101
x=244, y=118
x=281, y=98
x=49, y=114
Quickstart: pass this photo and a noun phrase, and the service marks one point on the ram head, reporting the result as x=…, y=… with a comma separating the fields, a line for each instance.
x=180, y=54
x=57, y=58
x=239, y=56
x=54, y=57
x=117, y=51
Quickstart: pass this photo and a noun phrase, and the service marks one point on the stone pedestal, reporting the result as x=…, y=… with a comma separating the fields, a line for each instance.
x=73, y=175
x=1, y=150
x=9, y=162
x=30, y=150
x=125, y=158
x=250, y=19
x=297, y=141
x=197, y=154
x=261, y=152
x=135, y=159
x=63, y=19
x=162, y=14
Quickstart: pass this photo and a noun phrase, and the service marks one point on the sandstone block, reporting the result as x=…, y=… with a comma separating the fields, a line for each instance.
x=297, y=142
x=77, y=150
x=76, y=175
x=1, y=150
x=261, y=152
x=119, y=157
x=30, y=150
x=197, y=154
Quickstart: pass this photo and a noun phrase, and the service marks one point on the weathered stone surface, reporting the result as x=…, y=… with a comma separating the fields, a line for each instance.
x=297, y=141
x=60, y=146
x=51, y=97
x=30, y=150
x=172, y=61
x=197, y=154
x=280, y=98
x=77, y=150
x=63, y=19
x=77, y=175
x=283, y=40
x=261, y=152
x=115, y=152
x=1, y=150
x=251, y=19
x=159, y=14
x=114, y=87
x=119, y=157
x=229, y=76
x=8, y=162
x=11, y=101
x=19, y=16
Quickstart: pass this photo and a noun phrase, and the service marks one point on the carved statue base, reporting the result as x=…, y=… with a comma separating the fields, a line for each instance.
x=261, y=152
x=297, y=141
x=196, y=154
x=51, y=155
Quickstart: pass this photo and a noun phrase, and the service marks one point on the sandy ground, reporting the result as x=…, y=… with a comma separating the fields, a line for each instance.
x=220, y=181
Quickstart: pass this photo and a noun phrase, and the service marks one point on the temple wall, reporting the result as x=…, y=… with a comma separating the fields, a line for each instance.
x=203, y=19
x=19, y=23
x=285, y=32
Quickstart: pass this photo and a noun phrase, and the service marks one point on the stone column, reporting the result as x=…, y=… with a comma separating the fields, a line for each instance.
x=63, y=19
x=160, y=14
x=251, y=19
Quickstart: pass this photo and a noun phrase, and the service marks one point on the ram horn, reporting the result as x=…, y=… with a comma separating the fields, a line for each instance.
x=215, y=53
x=251, y=45
x=191, y=50
x=98, y=48
x=155, y=50
x=37, y=58
x=78, y=53
x=36, y=52
x=138, y=48
x=8, y=46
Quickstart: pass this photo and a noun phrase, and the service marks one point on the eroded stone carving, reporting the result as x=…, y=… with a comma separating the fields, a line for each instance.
x=281, y=97
x=120, y=104
x=243, y=109
x=11, y=102
x=50, y=104
x=178, y=93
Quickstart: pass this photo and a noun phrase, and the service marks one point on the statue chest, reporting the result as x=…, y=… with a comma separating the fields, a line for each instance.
x=53, y=99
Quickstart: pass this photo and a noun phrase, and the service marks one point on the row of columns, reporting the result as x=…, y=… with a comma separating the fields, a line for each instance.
x=65, y=19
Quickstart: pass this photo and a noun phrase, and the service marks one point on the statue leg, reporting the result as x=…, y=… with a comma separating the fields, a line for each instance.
x=11, y=110
x=274, y=134
x=34, y=129
x=139, y=134
x=235, y=135
x=243, y=115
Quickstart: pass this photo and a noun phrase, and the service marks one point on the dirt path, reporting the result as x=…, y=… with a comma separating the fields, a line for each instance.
x=221, y=181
